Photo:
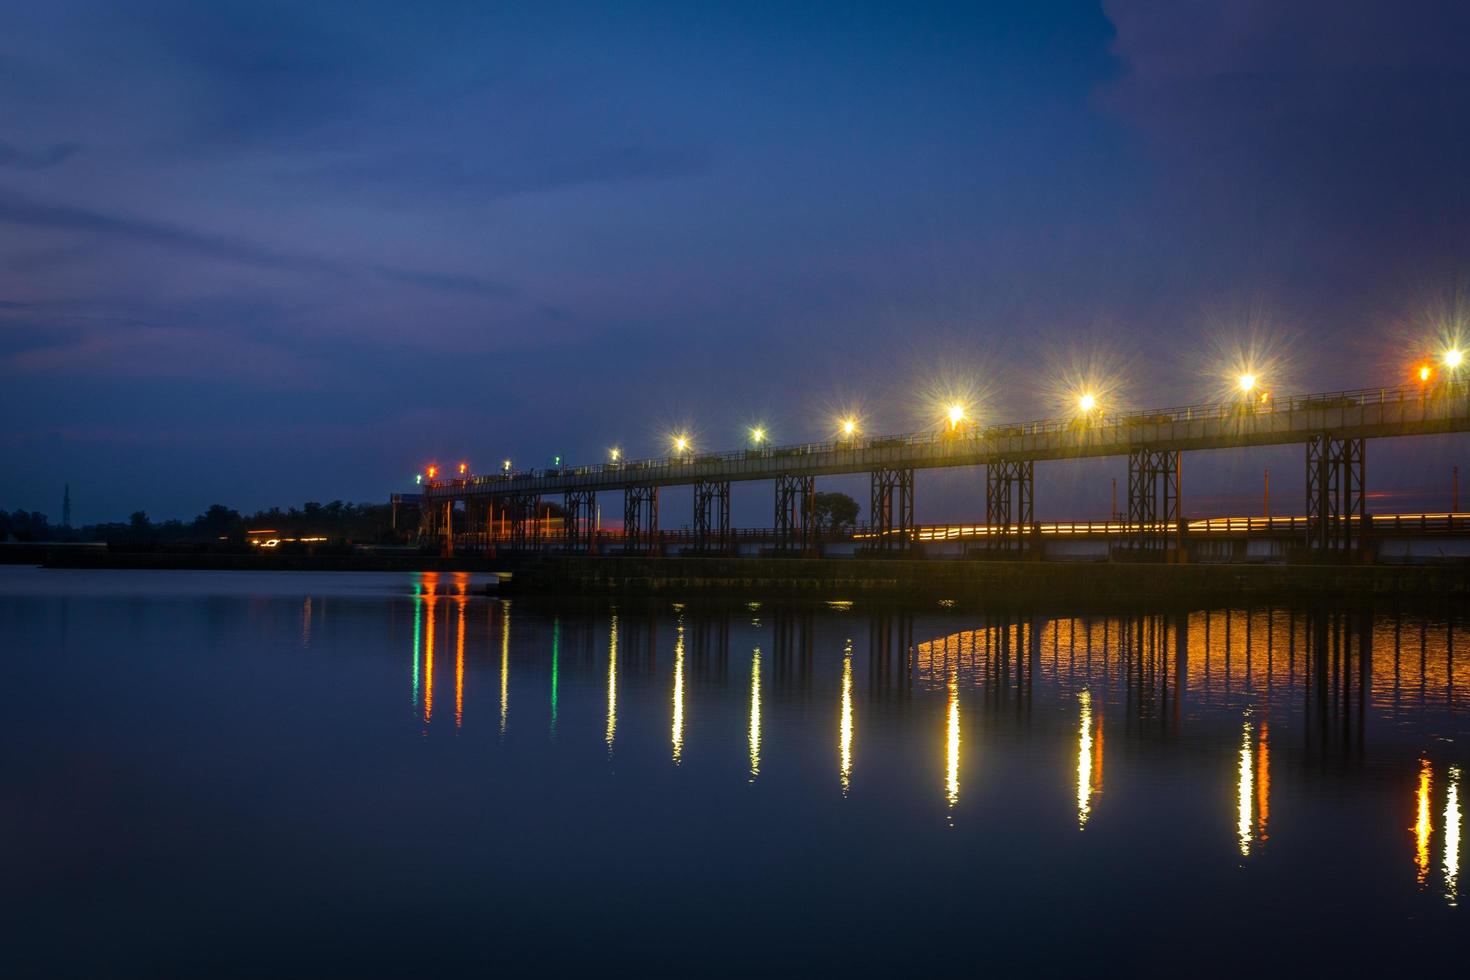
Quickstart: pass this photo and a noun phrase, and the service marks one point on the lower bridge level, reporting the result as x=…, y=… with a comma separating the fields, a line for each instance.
x=1412, y=538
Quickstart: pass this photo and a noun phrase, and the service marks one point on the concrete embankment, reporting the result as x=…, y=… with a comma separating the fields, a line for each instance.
x=1022, y=582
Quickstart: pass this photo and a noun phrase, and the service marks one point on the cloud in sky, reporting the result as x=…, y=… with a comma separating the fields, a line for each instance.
x=572, y=222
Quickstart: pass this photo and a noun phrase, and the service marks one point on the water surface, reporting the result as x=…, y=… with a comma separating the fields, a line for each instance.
x=297, y=773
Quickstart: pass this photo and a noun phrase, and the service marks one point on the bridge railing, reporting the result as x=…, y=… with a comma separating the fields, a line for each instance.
x=658, y=467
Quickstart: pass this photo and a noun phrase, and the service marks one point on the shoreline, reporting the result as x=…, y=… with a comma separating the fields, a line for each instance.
x=1025, y=582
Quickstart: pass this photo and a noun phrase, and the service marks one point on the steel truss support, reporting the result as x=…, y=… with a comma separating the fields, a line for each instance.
x=794, y=512
x=1153, y=497
x=581, y=515
x=891, y=510
x=712, y=515
x=640, y=519
x=1010, y=488
x=521, y=511
x=1337, y=476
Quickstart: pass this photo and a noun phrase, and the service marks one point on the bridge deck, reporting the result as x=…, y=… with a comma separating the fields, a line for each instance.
x=1366, y=413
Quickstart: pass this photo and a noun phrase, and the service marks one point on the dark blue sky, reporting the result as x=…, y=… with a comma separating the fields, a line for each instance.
x=266, y=252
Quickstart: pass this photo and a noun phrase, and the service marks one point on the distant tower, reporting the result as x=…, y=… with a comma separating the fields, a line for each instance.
x=66, y=506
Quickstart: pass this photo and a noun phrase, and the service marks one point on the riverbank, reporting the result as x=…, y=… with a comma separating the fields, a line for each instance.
x=50, y=556
x=1011, y=582
x=837, y=579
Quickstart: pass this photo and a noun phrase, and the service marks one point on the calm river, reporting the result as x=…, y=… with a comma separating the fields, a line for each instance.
x=208, y=774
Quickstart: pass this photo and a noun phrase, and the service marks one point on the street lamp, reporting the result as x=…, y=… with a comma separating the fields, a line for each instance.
x=505, y=465
x=956, y=416
x=1087, y=402
x=757, y=435
x=614, y=454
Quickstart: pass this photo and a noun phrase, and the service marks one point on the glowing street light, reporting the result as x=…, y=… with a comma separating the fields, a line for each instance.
x=464, y=468
x=505, y=465
x=956, y=415
x=418, y=479
x=1087, y=401
x=614, y=454
x=433, y=472
x=849, y=426
x=1453, y=358
x=1247, y=382
x=681, y=443
x=757, y=435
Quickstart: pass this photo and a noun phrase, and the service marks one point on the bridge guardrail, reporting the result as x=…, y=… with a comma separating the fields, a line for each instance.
x=974, y=434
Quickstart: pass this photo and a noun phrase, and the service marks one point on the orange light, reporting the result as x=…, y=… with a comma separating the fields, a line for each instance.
x=433, y=472
x=1425, y=372
x=464, y=468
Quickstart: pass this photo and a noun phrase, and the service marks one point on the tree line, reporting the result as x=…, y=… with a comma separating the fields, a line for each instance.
x=337, y=521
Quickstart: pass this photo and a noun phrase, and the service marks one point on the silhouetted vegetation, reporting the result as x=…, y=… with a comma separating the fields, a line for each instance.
x=338, y=522
x=834, y=511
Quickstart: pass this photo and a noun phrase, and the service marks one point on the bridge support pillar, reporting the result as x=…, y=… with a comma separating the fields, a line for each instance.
x=522, y=513
x=794, y=512
x=891, y=511
x=1153, y=498
x=640, y=519
x=1337, y=473
x=426, y=521
x=581, y=513
x=1010, y=489
x=712, y=515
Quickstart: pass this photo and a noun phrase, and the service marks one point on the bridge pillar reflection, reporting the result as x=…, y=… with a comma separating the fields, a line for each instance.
x=1009, y=512
x=891, y=510
x=581, y=513
x=712, y=515
x=640, y=519
x=1153, y=498
x=1336, y=493
x=794, y=502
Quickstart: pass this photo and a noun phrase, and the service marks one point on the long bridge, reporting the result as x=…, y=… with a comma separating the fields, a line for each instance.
x=1332, y=427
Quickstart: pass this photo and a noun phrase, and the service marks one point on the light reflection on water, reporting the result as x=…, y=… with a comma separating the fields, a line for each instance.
x=611, y=733
x=1452, y=838
x=1085, y=785
x=677, y=733
x=1242, y=741
x=845, y=724
x=755, y=713
x=1175, y=671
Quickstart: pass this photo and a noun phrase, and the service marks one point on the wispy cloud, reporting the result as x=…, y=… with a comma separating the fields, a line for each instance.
x=20, y=158
x=504, y=174
x=18, y=210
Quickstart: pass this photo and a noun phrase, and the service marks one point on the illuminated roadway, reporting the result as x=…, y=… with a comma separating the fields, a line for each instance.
x=1365, y=413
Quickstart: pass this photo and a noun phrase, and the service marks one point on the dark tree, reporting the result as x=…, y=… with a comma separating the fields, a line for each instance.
x=834, y=511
